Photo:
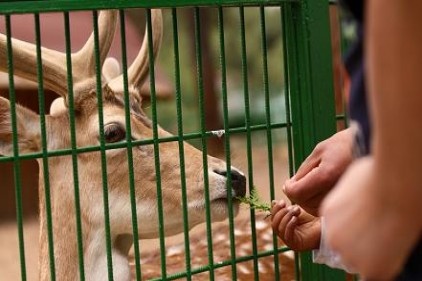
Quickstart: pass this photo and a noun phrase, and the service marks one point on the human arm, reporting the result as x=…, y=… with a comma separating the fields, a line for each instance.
x=320, y=171
x=378, y=198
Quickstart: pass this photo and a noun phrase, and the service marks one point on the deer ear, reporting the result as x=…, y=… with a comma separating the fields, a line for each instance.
x=28, y=129
x=58, y=106
x=111, y=68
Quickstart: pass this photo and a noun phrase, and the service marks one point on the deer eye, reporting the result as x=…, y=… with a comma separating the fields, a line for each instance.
x=114, y=132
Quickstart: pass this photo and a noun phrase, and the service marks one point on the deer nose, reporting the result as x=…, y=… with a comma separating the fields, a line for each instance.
x=238, y=181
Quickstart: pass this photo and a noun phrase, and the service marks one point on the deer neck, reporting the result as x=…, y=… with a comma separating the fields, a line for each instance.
x=65, y=240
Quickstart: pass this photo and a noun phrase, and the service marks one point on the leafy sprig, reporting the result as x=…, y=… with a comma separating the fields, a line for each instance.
x=255, y=202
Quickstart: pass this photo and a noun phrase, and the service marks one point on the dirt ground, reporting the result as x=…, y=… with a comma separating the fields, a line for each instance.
x=9, y=254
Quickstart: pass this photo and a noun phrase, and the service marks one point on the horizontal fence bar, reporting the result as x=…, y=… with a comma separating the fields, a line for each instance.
x=192, y=136
x=225, y=263
x=19, y=7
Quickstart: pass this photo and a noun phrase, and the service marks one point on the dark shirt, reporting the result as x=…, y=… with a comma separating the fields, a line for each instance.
x=358, y=111
x=355, y=66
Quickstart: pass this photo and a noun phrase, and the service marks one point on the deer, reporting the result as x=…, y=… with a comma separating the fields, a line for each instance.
x=86, y=118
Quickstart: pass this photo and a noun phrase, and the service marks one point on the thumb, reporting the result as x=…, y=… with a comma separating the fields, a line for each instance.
x=304, y=188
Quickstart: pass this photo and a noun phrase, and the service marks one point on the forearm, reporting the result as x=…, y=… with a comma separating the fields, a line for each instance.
x=394, y=62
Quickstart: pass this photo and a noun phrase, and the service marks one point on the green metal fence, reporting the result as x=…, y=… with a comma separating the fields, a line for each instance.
x=304, y=85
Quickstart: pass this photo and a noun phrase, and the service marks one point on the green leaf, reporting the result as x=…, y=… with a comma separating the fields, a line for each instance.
x=255, y=202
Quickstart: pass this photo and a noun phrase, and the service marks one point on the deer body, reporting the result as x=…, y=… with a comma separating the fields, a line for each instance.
x=175, y=254
x=89, y=163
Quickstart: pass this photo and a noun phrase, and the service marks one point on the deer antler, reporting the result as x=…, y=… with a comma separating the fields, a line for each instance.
x=139, y=70
x=54, y=62
x=85, y=57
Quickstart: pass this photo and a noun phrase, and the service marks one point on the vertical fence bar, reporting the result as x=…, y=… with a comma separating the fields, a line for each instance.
x=289, y=128
x=268, y=125
x=248, y=136
x=16, y=163
x=227, y=139
x=102, y=146
x=180, y=141
x=200, y=85
x=311, y=91
x=130, y=148
x=287, y=99
x=73, y=145
x=44, y=148
x=156, y=146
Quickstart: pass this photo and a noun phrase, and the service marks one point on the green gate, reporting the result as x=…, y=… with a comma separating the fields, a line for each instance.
x=295, y=79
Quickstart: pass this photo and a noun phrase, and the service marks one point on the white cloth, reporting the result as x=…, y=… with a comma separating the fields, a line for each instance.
x=325, y=255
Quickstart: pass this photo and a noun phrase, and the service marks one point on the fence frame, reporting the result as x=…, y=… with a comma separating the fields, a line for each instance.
x=308, y=73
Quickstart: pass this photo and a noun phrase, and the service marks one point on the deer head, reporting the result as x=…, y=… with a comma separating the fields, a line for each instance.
x=90, y=178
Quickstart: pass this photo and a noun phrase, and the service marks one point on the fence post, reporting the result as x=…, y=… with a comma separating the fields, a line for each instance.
x=310, y=86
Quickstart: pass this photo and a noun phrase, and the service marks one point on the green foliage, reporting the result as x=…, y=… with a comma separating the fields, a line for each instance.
x=255, y=202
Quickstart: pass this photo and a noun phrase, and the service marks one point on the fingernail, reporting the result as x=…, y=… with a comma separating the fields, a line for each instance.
x=282, y=203
x=273, y=203
x=290, y=208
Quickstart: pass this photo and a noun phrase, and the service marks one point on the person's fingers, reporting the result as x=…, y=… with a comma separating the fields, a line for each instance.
x=276, y=206
x=304, y=216
x=277, y=217
x=307, y=187
x=295, y=211
x=290, y=228
x=311, y=162
x=286, y=218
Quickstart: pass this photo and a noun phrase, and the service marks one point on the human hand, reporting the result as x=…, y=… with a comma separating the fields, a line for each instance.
x=320, y=171
x=369, y=224
x=299, y=230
